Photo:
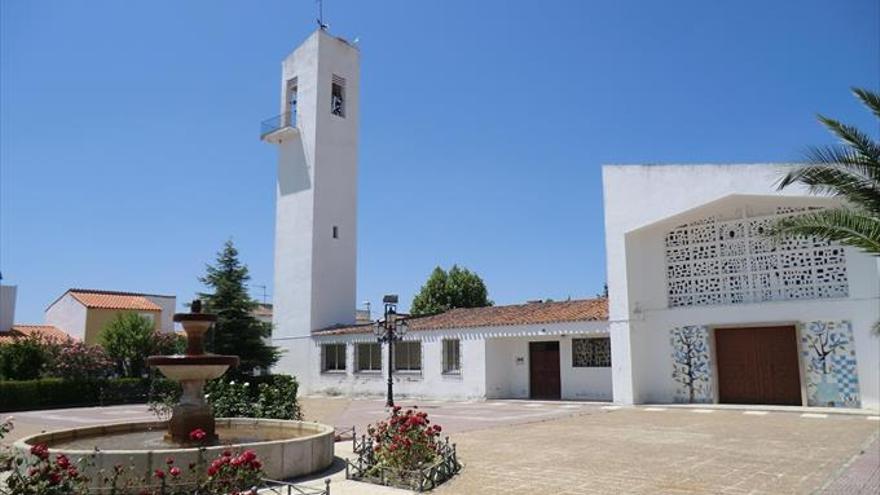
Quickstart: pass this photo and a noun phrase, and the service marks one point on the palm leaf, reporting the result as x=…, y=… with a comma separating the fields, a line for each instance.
x=870, y=99
x=846, y=226
x=840, y=181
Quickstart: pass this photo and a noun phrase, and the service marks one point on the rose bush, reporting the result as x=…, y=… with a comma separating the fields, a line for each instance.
x=405, y=441
x=46, y=476
x=231, y=473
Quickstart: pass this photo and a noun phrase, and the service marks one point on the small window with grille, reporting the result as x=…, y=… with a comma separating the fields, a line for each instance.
x=591, y=353
x=451, y=356
x=369, y=358
x=408, y=356
x=337, y=96
x=333, y=357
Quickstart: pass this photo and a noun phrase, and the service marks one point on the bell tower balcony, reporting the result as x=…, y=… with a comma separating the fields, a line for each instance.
x=278, y=128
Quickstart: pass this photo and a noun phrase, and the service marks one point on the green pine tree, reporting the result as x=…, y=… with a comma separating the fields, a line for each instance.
x=236, y=331
x=457, y=288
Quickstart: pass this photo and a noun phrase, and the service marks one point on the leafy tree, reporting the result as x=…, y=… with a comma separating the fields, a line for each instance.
x=236, y=331
x=24, y=358
x=457, y=288
x=128, y=339
x=850, y=171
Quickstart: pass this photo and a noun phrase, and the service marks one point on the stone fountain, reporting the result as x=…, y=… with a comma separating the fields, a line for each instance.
x=287, y=448
x=192, y=370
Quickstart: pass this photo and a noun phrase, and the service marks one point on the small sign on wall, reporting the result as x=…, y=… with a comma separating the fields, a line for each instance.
x=520, y=360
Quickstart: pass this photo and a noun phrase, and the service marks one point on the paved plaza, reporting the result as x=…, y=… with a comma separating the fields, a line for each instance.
x=583, y=448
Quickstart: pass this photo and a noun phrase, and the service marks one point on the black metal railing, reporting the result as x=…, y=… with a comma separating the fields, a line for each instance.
x=283, y=488
x=286, y=119
x=365, y=468
x=266, y=486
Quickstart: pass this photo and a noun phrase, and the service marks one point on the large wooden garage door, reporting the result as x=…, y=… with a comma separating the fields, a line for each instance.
x=758, y=365
x=544, y=379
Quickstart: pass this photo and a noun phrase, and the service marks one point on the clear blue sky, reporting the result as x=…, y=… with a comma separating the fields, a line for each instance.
x=130, y=151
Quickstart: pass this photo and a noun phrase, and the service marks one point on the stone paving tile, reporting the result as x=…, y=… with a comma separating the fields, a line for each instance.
x=672, y=451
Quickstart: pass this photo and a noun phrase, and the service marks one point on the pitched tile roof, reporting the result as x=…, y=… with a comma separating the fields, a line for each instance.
x=493, y=316
x=20, y=331
x=114, y=300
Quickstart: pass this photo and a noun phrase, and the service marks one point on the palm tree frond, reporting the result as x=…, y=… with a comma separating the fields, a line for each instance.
x=853, y=137
x=845, y=158
x=838, y=180
x=849, y=227
x=869, y=98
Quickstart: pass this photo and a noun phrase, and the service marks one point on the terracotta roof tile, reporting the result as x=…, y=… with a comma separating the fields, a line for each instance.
x=46, y=331
x=493, y=316
x=114, y=300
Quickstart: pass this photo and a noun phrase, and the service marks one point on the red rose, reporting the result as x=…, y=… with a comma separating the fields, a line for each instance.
x=54, y=478
x=72, y=472
x=159, y=474
x=175, y=471
x=169, y=460
x=40, y=450
x=197, y=435
x=62, y=461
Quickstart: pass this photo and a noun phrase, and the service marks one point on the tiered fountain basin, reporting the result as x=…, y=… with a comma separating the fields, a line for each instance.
x=287, y=448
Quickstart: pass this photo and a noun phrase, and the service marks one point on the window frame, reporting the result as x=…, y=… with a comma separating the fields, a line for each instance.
x=447, y=369
x=336, y=345
x=408, y=344
x=359, y=362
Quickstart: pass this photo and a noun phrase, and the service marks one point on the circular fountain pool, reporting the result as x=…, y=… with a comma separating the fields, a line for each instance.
x=286, y=448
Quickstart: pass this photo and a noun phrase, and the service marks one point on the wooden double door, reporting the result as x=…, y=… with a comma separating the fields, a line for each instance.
x=544, y=378
x=758, y=365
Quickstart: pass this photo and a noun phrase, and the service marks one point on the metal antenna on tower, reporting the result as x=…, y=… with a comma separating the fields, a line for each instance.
x=321, y=15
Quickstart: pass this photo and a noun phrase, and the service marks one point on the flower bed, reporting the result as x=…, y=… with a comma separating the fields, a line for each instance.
x=404, y=451
x=40, y=471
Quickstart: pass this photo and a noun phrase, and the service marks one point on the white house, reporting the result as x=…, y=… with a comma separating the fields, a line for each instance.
x=702, y=308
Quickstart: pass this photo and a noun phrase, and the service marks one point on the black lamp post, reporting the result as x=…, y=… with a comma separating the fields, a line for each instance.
x=389, y=329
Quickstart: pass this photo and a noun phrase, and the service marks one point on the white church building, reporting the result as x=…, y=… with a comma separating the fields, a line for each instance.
x=702, y=307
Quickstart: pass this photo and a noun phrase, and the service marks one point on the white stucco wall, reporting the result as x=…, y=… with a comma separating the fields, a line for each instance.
x=507, y=368
x=430, y=382
x=489, y=366
x=641, y=204
x=169, y=307
x=68, y=315
x=317, y=189
x=7, y=307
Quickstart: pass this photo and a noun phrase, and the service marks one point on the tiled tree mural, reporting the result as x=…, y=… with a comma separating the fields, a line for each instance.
x=830, y=364
x=690, y=363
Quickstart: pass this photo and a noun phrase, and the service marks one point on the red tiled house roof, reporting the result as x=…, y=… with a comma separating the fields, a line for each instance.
x=493, y=316
x=48, y=332
x=114, y=300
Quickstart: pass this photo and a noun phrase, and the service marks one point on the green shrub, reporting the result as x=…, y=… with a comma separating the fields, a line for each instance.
x=23, y=359
x=265, y=396
x=46, y=393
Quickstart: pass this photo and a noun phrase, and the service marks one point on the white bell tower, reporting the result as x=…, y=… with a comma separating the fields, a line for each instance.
x=316, y=204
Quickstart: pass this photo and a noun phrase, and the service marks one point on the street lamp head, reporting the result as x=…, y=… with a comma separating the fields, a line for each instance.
x=402, y=327
x=378, y=329
x=390, y=299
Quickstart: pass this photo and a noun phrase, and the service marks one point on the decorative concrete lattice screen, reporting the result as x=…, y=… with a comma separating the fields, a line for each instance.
x=591, y=353
x=729, y=261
